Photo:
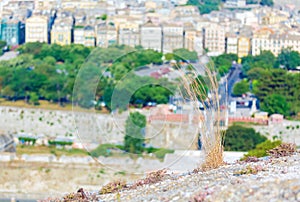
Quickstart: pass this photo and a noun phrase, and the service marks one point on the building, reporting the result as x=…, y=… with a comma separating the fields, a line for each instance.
x=181, y=11
x=45, y=4
x=214, y=39
x=244, y=46
x=37, y=29
x=198, y=46
x=189, y=36
x=231, y=43
x=235, y=3
x=62, y=31
x=173, y=36
x=106, y=35
x=84, y=35
x=13, y=32
x=129, y=34
x=269, y=40
x=273, y=18
x=151, y=36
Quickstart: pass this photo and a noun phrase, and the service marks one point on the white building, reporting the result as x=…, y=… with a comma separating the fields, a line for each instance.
x=214, y=39
x=37, y=28
x=172, y=36
x=151, y=36
x=235, y=3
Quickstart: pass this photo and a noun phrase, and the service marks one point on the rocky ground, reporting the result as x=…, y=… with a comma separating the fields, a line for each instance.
x=269, y=179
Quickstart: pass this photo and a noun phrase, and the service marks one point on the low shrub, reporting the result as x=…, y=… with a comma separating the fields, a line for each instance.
x=262, y=149
x=160, y=153
x=285, y=149
x=60, y=143
x=103, y=150
x=27, y=139
x=240, y=138
x=113, y=187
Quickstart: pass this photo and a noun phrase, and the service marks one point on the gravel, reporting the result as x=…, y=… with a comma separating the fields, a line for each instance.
x=277, y=179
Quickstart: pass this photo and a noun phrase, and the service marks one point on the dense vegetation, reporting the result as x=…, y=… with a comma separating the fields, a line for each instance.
x=48, y=72
x=223, y=62
x=241, y=88
x=276, y=88
x=134, y=133
x=205, y=6
x=239, y=138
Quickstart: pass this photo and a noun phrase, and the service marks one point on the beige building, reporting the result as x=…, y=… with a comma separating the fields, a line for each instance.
x=190, y=34
x=37, y=28
x=214, y=39
x=106, y=35
x=274, y=18
x=62, y=31
x=244, y=46
x=173, y=36
x=45, y=4
x=129, y=34
x=151, y=36
x=269, y=40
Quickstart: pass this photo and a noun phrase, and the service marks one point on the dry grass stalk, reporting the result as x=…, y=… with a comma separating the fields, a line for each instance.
x=209, y=119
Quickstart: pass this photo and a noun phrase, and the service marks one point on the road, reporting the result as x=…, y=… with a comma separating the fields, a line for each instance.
x=227, y=83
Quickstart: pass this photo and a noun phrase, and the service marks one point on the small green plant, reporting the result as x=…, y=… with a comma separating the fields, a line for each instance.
x=120, y=173
x=113, y=187
x=250, y=170
x=102, y=171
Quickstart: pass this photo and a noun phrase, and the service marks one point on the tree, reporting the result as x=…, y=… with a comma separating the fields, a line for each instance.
x=34, y=99
x=288, y=59
x=267, y=3
x=276, y=104
x=2, y=44
x=239, y=138
x=224, y=62
x=206, y=6
x=184, y=54
x=241, y=88
x=134, y=129
x=265, y=60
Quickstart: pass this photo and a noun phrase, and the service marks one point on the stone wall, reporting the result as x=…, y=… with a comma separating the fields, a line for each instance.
x=93, y=127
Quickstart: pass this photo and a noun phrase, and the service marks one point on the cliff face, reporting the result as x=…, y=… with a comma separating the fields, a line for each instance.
x=93, y=127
